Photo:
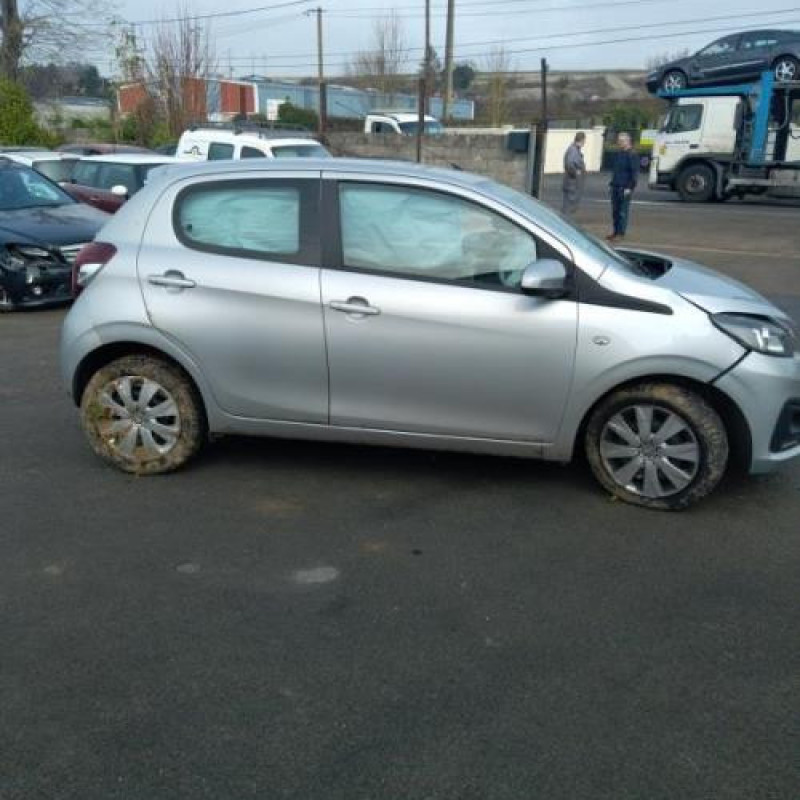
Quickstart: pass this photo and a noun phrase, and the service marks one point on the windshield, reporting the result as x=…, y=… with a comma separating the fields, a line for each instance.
x=559, y=226
x=682, y=119
x=432, y=128
x=26, y=188
x=57, y=170
x=300, y=151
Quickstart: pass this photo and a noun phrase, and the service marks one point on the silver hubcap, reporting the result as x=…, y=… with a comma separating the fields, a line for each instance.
x=650, y=451
x=673, y=82
x=785, y=70
x=141, y=420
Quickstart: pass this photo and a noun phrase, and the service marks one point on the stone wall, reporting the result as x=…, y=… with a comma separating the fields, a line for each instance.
x=485, y=154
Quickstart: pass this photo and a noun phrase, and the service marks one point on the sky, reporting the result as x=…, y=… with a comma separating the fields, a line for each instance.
x=571, y=34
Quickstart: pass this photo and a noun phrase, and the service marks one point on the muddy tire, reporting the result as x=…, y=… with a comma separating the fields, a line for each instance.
x=657, y=445
x=143, y=415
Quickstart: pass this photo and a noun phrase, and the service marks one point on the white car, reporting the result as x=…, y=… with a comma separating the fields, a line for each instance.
x=222, y=144
x=404, y=123
x=56, y=166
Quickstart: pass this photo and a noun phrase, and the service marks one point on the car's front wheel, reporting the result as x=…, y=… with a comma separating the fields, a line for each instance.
x=674, y=81
x=657, y=445
x=143, y=415
x=786, y=69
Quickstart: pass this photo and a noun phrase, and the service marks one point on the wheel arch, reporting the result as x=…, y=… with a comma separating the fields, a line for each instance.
x=739, y=434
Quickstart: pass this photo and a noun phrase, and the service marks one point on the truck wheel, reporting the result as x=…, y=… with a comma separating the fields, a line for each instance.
x=674, y=81
x=785, y=69
x=696, y=183
x=657, y=445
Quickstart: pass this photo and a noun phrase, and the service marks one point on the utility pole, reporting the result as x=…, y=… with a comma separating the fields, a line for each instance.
x=448, y=60
x=323, y=95
x=11, y=46
x=540, y=152
x=422, y=100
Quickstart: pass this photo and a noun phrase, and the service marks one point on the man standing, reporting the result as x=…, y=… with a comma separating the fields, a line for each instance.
x=574, y=171
x=623, y=182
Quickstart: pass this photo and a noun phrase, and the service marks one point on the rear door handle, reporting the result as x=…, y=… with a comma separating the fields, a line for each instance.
x=171, y=279
x=355, y=305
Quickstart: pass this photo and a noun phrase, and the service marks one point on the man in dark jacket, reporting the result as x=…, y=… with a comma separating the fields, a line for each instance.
x=623, y=182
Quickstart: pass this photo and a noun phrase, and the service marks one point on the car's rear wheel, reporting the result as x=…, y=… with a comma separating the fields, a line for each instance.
x=143, y=415
x=696, y=183
x=674, y=81
x=786, y=69
x=657, y=445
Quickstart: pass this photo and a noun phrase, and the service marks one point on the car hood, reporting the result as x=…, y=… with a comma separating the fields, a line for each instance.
x=57, y=225
x=712, y=291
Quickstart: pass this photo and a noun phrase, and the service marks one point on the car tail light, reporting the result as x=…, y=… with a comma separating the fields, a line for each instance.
x=89, y=261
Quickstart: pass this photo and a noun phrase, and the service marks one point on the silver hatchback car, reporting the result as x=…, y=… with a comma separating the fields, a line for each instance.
x=393, y=304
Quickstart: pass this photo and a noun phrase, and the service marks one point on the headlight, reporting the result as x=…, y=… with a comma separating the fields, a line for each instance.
x=761, y=334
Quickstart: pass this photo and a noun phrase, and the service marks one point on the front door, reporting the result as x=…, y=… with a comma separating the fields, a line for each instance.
x=427, y=328
x=717, y=62
x=230, y=271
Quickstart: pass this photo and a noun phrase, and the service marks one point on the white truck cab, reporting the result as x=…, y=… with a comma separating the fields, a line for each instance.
x=219, y=144
x=404, y=123
x=728, y=142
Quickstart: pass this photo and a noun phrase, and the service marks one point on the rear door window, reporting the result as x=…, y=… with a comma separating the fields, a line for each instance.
x=112, y=175
x=85, y=173
x=272, y=219
x=219, y=151
x=252, y=152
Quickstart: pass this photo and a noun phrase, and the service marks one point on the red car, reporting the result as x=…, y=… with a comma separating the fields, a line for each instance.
x=106, y=182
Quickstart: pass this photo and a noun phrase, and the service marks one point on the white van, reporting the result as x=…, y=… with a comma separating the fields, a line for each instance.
x=221, y=144
x=404, y=123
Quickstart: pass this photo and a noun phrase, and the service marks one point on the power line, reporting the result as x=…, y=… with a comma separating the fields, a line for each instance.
x=199, y=17
x=565, y=34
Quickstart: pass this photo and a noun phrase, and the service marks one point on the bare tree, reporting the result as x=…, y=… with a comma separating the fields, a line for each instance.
x=498, y=65
x=181, y=57
x=52, y=30
x=659, y=59
x=381, y=66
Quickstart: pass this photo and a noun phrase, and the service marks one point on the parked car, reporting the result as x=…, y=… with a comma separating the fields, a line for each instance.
x=404, y=123
x=402, y=305
x=106, y=182
x=41, y=230
x=101, y=148
x=731, y=59
x=52, y=164
x=168, y=149
x=221, y=144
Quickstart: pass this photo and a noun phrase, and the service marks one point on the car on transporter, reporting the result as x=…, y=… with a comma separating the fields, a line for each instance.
x=390, y=303
x=737, y=58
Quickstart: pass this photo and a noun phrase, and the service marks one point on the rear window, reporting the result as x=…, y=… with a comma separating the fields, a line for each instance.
x=257, y=218
x=300, y=151
x=218, y=151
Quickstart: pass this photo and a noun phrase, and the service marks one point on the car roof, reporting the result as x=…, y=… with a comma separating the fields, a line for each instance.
x=367, y=166
x=42, y=155
x=247, y=136
x=131, y=158
x=402, y=116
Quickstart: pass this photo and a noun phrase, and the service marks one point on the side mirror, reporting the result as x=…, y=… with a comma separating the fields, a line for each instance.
x=119, y=190
x=546, y=277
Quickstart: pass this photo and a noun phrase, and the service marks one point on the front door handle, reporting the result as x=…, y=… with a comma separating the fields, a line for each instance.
x=355, y=305
x=172, y=279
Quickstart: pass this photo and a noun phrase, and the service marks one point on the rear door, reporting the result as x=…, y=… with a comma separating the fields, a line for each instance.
x=229, y=268
x=755, y=53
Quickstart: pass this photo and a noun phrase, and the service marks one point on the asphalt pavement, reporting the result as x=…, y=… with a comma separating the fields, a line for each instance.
x=296, y=620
